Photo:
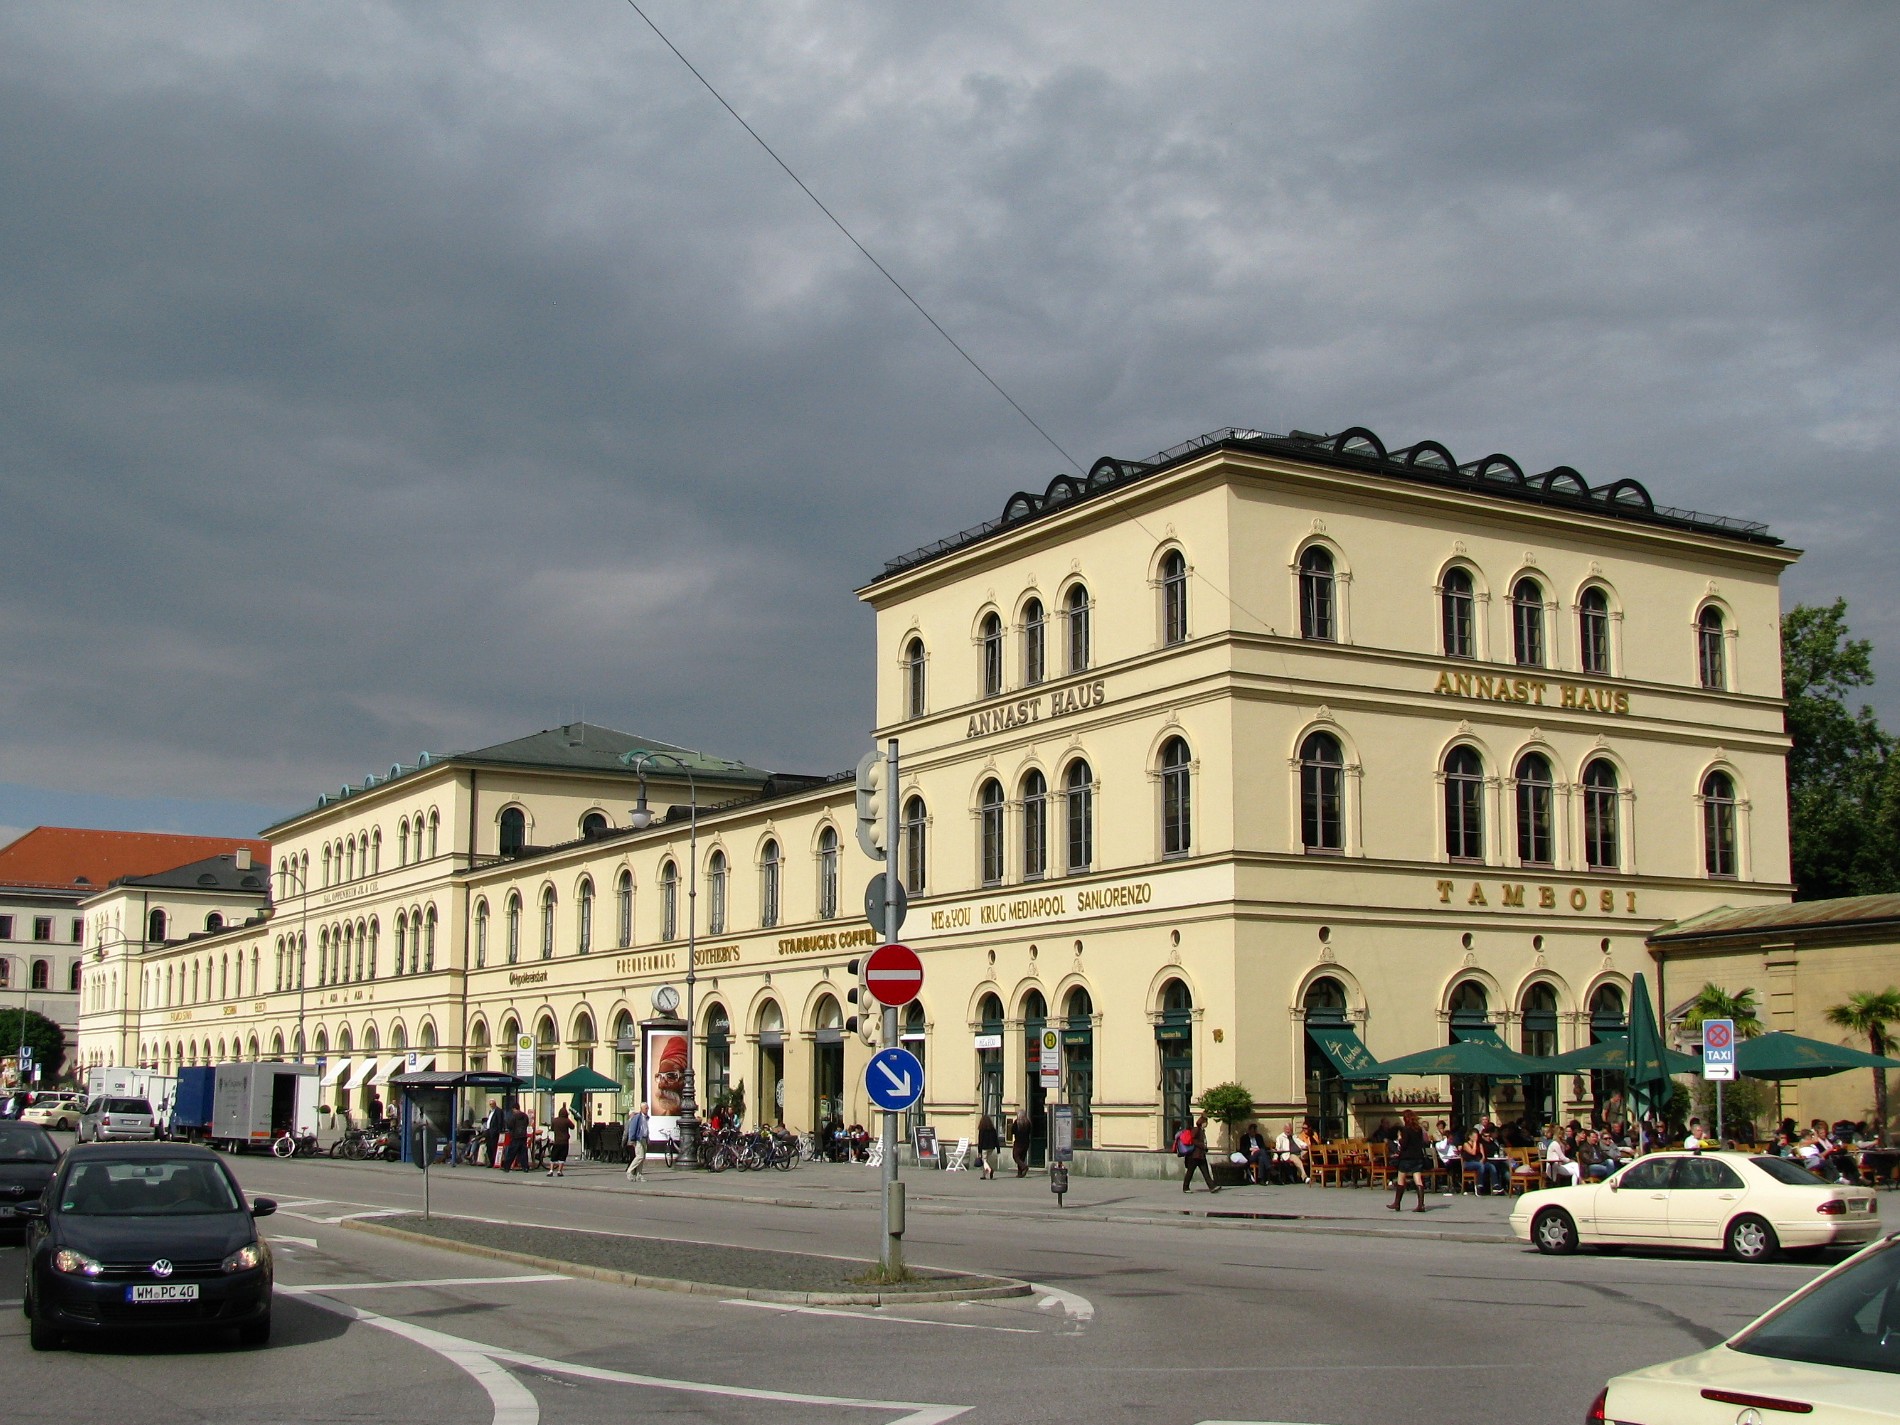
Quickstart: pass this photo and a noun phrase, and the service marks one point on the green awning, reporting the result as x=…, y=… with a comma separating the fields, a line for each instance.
x=1790, y=1056
x=1343, y=1050
x=1613, y=1054
x=1487, y=1059
x=1477, y=1034
x=584, y=1080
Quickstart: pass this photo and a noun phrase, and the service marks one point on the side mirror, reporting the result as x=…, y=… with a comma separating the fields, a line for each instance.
x=263, y=1206
x=30, y=1209
x=1615, y=1185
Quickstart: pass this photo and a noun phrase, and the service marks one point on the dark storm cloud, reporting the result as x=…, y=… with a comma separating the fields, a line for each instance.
x=387, y=378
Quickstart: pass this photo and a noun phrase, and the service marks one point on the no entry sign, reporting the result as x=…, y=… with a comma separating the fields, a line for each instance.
x=894, y=974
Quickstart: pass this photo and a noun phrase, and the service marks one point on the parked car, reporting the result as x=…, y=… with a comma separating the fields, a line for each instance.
x=55, y=1110
x=145, y=1236
x=106, y=1120
x=1827, y=1355
x=1751, y=1206
x=28, y=1157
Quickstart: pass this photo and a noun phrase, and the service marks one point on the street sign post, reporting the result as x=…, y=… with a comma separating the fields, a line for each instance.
x=524, y=1056
x=1051, y=1060
x=894, y=974
x=1061, y=1149
x=1718, y=1063
x=894, y=1080
x=876, y=898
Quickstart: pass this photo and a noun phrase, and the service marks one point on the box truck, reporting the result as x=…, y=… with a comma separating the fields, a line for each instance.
x=122, y=1082
x=190, y=1118
x=252, y=1104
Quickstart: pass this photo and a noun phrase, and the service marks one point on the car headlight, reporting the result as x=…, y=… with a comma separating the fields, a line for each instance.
x=251, y=1254
x=76, y=1263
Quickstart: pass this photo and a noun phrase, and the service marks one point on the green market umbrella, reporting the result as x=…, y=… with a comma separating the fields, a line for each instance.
x=1473, y=1057
x=1647, y=1072
x=583, y=1080
x=1790, y=1056
x=1613, y=1055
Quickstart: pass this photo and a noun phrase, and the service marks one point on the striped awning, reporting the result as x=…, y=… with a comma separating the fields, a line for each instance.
x=335, y=1070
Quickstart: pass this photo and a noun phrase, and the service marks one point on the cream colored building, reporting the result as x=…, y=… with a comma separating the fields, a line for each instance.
x=1240, y=762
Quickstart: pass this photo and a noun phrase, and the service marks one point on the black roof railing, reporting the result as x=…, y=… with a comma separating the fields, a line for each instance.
x=1356, y=448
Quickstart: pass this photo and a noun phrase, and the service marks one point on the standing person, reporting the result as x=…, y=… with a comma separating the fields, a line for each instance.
x=492, y=1127
x=1196, y=1155
x=562, y=1133
x=988, y=1143
x=1020, y=1129
x=1410, y=1159
x=375, y=1109
x=517, y=1140
x=636, y=1140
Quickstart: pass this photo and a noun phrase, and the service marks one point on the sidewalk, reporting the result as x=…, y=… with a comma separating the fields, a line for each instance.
x=846, y=1187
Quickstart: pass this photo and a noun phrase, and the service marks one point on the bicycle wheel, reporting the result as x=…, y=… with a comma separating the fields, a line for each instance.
x=283, y=1146
x=337, y=1148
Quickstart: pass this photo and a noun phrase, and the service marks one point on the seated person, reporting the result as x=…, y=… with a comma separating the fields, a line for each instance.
x=1289, y=1154
x=1253, y=1148
x=1445, y=1148
x=1559, y=1166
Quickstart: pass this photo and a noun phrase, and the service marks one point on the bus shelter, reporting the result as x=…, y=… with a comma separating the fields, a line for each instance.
x=437, y=1098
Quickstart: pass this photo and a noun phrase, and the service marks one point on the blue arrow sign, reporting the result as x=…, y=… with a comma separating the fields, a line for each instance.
x=894, y=1079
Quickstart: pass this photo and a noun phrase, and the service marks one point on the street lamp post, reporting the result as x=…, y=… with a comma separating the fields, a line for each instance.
x=642, y=818
x=303, y=936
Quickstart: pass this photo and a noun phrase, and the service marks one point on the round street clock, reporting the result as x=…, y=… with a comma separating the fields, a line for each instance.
x=666, y=1000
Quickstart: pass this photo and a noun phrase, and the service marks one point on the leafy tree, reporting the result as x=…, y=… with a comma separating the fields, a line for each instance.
x=1870, y=1013
x=1228, y=1104
x=1714, y=1002
x=44, y=1037
x=1843, y=782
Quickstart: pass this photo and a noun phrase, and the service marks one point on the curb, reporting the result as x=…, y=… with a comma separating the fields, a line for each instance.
x=1005, y=1286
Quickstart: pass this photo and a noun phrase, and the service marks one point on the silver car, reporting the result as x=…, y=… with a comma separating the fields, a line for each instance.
x=108, y=1120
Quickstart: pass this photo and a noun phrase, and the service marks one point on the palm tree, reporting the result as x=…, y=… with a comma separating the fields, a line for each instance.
x=1869, y=1013
x=1714, y=1002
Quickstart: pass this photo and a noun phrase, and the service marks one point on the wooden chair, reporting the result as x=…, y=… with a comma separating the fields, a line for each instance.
x=1378, y=1165
x=1323, y=1165
x=1527, y=1171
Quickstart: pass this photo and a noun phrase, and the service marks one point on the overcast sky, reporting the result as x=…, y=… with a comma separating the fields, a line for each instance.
x=381, y=378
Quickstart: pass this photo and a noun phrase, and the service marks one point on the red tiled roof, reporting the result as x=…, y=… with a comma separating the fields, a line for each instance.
x=71, y=858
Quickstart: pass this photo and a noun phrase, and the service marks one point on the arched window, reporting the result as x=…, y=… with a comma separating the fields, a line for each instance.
x=1322, y=793
x=428, y=940
x=1536, y=819
x=349, y=859
x=547, y=922
x=514, y=831
x=402, y=946
x=1593, y=630
x=402, y=842
x=916, y=846
x=827, y=874
x=1177, y=805
x=1035, y=642
x=1718, y=824
x=989, y=809
x=1537, y=1037
x=990, y=640
x=1318, y=606
x=769, y=885
x=326, y=863
x=669, y=900
x=584, y=929
x=716, y=894
x=1457, y=606
x=1174, y=598
x=1711, y=654
x=623, y=907
x=1601, y=842
x=214, y=922
x=1076, y=608
x=1035, y=794
x=1079, y=816
x=914, y=678
x=155, y=927
x=42, y=974
x=1527, y=623
x=1464, y=805
x=514, y=927
x=481, y=934
x=989, y=1058
x=375, y=853
x=594, y=824
x=435, y=826
x=375, y=937
x=73, y=971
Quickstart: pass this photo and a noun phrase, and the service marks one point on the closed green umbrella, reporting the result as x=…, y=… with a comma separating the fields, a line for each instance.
x=1473, y=1057
x=1613, y=1055
x=1790, y=1056
x=1648, y=1072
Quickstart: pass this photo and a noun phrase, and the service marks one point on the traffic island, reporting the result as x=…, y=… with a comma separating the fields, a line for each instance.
x=701, y=1268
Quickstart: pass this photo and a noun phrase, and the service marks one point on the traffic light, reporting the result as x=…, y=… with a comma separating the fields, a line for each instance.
x=867, y=1022
x=874, y=812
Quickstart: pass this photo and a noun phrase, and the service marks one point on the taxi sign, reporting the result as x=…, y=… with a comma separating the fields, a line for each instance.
x=1718, y=1049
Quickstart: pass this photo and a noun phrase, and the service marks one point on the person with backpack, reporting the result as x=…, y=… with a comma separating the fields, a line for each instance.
x=1191, y=1144
x=636, y=1141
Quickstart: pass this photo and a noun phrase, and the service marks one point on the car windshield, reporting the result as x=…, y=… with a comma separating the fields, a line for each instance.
x=1850, y=1318
x=1786, y=1170
x=128, y=1105
x=19, y=1144
x=147, y=1187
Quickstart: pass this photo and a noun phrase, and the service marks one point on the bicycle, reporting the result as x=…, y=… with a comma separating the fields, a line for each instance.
x=299, y=1145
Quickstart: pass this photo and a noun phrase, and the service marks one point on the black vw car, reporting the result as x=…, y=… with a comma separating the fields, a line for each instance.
x=28, y=1157
x=145, y=1236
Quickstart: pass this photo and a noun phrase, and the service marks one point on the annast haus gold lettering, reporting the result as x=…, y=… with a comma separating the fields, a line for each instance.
x=1532, y=692
x=1063, y=702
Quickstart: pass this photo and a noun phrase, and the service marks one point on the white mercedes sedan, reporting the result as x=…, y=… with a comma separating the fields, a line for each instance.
x=1829, y=1354
x=1749, y=1205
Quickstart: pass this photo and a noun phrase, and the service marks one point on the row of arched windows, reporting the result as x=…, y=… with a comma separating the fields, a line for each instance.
x=360, y=853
